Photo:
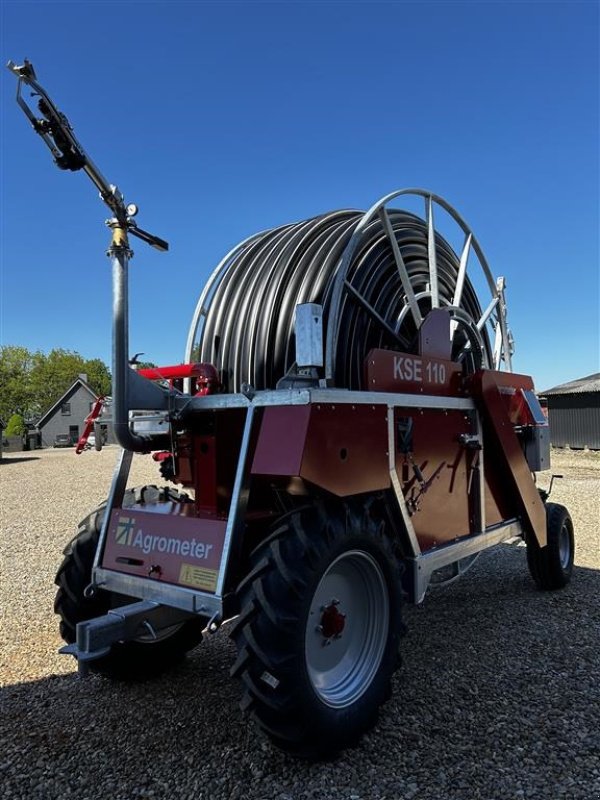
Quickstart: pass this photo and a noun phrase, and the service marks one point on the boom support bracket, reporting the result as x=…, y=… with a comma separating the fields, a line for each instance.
x=488, y=386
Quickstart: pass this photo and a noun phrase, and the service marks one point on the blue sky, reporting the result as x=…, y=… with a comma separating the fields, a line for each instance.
x=223, y=119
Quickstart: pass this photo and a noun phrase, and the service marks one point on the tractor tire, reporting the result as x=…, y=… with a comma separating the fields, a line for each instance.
x=144, y=657
x=319, y=628
x=551, y=566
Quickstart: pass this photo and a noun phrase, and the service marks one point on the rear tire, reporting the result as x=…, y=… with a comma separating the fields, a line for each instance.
x=134, y=660
x=551, y=566
x=319, y=629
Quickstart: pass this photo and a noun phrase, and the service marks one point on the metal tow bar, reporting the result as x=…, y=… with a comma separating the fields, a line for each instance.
x=96, y=636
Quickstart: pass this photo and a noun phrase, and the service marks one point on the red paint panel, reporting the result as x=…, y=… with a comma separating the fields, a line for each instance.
x=443, y=510
x=391, y=371
x=497, y=500
x=342, y=449
x=167, y=547
x=184, y=461
x=205, y=454
x=507, y=471
x=346, y=449
x=281, y=440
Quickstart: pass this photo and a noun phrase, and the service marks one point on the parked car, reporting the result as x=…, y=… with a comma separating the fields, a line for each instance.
x=62, y=440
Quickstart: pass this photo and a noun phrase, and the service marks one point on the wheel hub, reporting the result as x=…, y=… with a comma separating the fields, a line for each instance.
x=332, y=622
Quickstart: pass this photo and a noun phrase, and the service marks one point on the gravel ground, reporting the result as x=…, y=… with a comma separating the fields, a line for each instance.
x=499, y=695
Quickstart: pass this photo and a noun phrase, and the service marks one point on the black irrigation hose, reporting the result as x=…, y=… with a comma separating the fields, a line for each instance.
x=247, y=330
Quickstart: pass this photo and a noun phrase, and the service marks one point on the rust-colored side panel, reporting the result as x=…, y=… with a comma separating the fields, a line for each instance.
x=346, y=449
x=342, y=448
x=205, y=453
x=281, y=439
x=208, y=457
x=497, y=508
x=507, y=471
x=443, y=507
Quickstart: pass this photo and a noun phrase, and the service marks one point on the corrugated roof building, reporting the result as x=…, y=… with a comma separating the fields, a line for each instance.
x=574, y=413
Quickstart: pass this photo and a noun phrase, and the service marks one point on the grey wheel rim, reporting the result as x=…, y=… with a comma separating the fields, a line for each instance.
x=159, y=636
x=564, y=547
x=347, y=628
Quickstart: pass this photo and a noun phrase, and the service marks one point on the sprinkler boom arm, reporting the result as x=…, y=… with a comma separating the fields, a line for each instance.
x=130, y=390
x=57, y=133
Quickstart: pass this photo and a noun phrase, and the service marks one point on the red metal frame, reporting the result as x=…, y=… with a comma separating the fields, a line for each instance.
x=344, y=449
x=89, y=424
x=507, y=471
x=204, y=377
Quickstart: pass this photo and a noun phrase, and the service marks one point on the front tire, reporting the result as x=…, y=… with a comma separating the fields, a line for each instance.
x=551, y=566
x=133, y=660
x=319, y=628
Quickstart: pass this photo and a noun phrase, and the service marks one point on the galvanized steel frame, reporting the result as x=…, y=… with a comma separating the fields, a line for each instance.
x=299, y=397
x=423, y=566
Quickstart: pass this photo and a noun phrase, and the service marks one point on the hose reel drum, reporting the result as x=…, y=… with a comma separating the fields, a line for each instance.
x=376, y=276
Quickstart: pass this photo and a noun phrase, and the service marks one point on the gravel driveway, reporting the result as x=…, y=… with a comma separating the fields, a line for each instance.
x=499, y=695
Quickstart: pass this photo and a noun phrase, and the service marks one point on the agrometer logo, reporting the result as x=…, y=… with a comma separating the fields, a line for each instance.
x=124, y=533
x=128, y=533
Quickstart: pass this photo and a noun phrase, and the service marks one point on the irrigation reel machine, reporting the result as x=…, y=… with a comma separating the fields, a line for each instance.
x=346, y=429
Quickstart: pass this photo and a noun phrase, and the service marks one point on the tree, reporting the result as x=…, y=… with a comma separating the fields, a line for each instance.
x=15, y=426
x=16, y=391
x=30, y=383
x=98, y=375
x=52, y=375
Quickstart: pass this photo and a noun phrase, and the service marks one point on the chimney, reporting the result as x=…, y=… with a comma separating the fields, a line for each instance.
x=83, y=376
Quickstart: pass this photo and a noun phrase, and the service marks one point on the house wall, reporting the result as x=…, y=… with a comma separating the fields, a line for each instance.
x=58, y=423
x=15, y=444
x=575, y=420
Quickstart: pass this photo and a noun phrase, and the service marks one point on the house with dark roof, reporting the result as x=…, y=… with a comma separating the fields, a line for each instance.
x=574, y=413
x=63, y=423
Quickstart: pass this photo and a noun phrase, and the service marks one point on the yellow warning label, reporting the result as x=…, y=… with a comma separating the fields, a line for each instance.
x=198, y=577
